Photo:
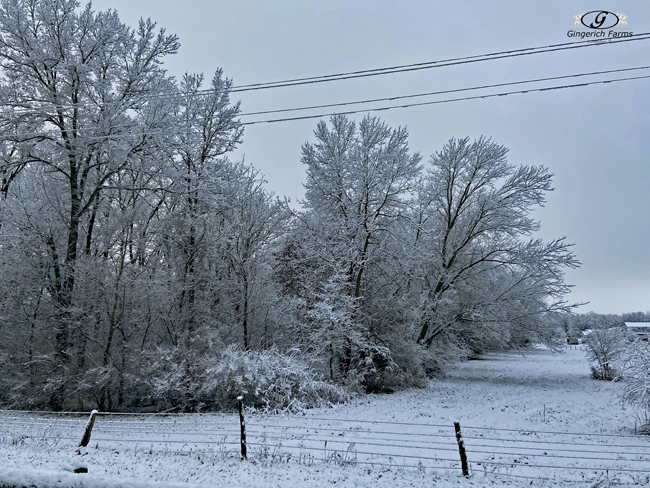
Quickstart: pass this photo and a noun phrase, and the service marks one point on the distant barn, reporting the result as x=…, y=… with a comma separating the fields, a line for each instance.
x=640, y=329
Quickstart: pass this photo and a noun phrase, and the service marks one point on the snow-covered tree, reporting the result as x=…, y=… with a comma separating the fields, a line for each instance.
x=76, y=95
x=633, y=364
x=604, y=347
x=198, y=176
x=359, y=180
x=135, y=256
x=257, y=220
x=477, y=266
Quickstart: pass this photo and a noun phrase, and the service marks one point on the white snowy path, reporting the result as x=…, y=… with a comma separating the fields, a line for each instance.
x=536, y=392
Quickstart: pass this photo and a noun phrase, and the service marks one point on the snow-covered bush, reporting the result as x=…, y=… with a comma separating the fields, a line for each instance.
x=445, y=350
x=603, y=349
x=404, y=369
x=267, y=380
x=634, y=366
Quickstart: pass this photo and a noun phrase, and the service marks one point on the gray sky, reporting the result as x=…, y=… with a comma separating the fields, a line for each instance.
x=595, y=140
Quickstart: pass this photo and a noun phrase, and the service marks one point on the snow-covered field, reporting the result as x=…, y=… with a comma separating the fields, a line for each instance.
x=526, y=420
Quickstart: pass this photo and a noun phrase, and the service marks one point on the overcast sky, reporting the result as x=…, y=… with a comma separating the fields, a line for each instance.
x=595, y=139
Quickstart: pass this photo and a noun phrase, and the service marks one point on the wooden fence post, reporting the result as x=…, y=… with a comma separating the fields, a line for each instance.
x=242, y=426
x=89, y=428
x=461, y=449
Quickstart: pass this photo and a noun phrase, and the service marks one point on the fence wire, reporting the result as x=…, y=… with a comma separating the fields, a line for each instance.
x=346, y=442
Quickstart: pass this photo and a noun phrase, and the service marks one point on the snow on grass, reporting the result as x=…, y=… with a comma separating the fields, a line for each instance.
x=399, y=440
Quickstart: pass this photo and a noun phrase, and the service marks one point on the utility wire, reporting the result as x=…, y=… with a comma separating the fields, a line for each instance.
x=43, y=134
x=378, y=71
x=417, y=95
x=427, y=63
x=350, y=112
x=440, y=64
x=456, y=90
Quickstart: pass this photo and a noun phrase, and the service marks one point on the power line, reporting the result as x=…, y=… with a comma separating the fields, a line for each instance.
x=375, y=70
x=436, y=64
x=381, y=71
x=443, y=101
x=342, y=104
x=456, y=90
x=44, y=134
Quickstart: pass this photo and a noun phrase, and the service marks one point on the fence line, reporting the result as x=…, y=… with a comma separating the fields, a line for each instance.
x=524, y=431
x=562, y=450
x=574, y=468
x=206, y=432
x=356, y=441
x=328, y=429
x=212, y=432
x=446, y=426
x=285, y=440
x=325, y=449
x=209, y=415
x=542, y=441
x=376, y=422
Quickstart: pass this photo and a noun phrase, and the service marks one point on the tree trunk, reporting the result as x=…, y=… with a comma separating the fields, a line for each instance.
x=245, y=314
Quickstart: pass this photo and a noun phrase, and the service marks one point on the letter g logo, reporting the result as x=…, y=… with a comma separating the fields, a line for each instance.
x=599, y=19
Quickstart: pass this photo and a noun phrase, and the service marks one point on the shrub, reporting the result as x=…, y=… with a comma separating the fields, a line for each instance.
x=634, y=365
x=267, y=380
x=603, y=348
x=183, y=380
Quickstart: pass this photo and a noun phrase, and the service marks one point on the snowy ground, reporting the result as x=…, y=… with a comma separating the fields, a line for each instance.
x=566, y=430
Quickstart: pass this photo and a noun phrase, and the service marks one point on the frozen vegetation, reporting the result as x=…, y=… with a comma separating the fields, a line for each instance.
x=143, y=271
x=138, y=262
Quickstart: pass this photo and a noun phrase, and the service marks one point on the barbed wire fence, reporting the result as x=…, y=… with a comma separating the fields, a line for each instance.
x=517, y=453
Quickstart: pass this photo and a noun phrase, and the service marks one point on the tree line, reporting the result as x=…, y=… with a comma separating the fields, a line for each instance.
x=574, y=324
x=142, y=268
